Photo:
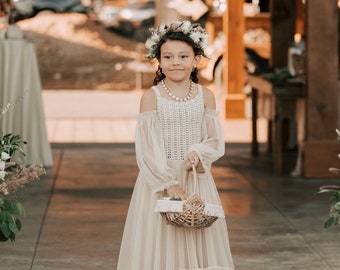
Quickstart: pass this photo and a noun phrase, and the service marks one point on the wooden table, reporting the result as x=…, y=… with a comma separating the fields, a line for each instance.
x=281, y=93
x=20, y=87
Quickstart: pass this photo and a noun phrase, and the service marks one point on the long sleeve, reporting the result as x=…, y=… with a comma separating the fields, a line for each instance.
x=212, y=145
x=150, y=153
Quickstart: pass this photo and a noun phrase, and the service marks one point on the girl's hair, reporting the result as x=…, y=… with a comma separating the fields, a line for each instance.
x=181, y=37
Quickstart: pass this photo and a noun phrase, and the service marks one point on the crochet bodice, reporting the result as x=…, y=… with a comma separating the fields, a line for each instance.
x=180, y=123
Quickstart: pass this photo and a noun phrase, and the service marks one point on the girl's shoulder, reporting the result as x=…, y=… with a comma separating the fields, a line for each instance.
x=209, y=98
x=148, y=101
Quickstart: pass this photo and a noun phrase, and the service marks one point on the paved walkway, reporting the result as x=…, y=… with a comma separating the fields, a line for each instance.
x=76, y=213
x=110, y=117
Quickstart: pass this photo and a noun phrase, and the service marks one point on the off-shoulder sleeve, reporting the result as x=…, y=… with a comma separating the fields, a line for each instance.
x=150, y=153
x=212, y=146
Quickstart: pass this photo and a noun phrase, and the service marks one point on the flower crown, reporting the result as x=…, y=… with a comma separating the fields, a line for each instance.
x=192, y=30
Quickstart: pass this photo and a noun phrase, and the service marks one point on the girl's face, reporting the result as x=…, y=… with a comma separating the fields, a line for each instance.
x=177, y=59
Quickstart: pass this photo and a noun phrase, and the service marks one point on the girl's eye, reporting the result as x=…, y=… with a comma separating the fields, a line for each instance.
x=166, y=57
x=184, y=56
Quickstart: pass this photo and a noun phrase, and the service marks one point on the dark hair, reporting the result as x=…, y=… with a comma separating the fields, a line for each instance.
x=181, y=37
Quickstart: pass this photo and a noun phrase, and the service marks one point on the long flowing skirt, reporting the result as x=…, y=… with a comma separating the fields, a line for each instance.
x=149, y=243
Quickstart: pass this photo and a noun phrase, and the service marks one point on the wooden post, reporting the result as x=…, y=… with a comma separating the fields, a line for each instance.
x=254, y=142
x=300, y=18
x=282, y=31
x=234, y=73
x=321, y=147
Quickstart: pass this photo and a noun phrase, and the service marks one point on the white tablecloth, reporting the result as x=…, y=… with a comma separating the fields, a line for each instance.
x=20, y=87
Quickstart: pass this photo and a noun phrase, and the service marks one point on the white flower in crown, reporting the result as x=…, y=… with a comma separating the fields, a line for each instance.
x=186, y=27
x=174, y=25
x=155, y=37
x=161, y=30
x=196, y=37
x=204, y=42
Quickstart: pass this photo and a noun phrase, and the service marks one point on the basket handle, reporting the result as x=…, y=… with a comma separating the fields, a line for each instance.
x=194, y=172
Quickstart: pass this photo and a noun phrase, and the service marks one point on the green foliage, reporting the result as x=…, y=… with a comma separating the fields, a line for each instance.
x=10, y=224
x=11, y=143
x=334, y=212
x=335, y=197
x=10, y=210
x=329, y=222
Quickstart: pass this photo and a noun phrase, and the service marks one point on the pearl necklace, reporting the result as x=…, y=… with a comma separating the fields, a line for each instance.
x=170, y=94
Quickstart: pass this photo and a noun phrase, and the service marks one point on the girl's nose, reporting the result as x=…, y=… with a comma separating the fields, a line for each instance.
x=175, y=61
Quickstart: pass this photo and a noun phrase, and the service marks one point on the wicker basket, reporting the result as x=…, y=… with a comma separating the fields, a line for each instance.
x=191, y=213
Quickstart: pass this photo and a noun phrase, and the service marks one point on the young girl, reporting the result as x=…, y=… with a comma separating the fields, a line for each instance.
x=177, y=127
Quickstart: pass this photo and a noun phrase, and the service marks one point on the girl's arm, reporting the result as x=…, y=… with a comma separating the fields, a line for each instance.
x=148, y=101
x=150, y=153
x=150, y=150
x=212, y=146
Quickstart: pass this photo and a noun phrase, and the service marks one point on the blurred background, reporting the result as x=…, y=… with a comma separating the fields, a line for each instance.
x=90, y=44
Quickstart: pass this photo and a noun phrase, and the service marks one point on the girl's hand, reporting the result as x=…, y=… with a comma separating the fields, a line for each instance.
x=193, y=160
x=176, y=192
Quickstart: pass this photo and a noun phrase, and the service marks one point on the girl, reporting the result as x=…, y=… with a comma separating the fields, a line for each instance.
x=177, y=128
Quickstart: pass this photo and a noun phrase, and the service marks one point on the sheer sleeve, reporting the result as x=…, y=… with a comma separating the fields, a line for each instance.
x=150, y=153
x=212, y=146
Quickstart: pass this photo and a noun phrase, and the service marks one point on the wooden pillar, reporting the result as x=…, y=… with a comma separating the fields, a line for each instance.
x=321, y=148
x=283, y=14
x=300, y=18
x=234, y=73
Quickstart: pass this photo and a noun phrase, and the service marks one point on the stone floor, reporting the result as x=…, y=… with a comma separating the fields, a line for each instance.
x=75, y=214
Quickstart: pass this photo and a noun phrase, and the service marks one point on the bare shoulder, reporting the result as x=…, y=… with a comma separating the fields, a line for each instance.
x=148, y=101
x=209, y=98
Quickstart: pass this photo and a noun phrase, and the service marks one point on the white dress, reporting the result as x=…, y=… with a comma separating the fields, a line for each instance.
x=163, y=139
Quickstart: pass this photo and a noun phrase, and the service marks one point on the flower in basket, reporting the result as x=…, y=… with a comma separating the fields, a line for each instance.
x=13, y=176
x=334, y=211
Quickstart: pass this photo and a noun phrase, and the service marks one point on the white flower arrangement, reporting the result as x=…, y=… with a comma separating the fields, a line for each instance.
x=193, y=30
